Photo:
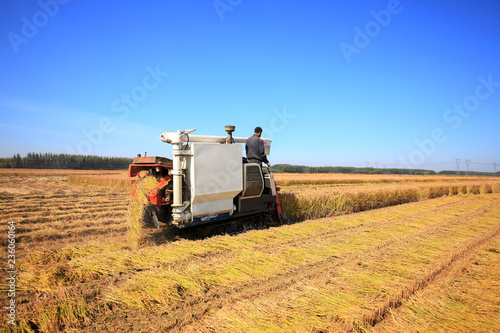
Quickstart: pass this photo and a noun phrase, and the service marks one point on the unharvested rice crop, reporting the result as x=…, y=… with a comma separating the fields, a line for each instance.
x=59, y=172
x=301, y=203
x=109, y=181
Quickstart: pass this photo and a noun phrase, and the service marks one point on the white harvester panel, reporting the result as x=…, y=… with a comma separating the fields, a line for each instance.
x=216, y=178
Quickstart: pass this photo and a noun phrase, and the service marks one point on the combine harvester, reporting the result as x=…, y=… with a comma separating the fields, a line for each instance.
x=209, y=183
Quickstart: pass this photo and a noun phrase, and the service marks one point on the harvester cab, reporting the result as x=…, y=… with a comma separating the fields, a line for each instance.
x=207, y=180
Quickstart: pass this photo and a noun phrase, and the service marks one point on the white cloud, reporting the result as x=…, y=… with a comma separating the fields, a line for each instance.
x=30, y=130
x=64, y=113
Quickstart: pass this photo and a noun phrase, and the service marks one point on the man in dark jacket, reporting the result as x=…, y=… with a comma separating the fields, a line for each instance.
x=254, y=148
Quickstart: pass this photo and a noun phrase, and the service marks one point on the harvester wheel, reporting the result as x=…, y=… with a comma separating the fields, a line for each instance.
x=151, y=216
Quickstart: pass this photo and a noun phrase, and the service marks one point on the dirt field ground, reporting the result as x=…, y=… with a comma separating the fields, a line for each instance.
x=418, y=254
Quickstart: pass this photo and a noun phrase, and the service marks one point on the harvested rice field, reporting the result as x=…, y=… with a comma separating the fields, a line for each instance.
x=377, y=253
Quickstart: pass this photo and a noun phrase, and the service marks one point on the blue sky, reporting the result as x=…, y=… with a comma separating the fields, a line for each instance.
x=401, y=83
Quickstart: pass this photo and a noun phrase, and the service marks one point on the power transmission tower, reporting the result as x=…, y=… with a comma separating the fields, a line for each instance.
x=458, y=165
x=376, y=164
x=467, y=163
x=367, y=164
x=494, y=166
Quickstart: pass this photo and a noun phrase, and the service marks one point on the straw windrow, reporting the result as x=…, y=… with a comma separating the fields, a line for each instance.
x=137, y=208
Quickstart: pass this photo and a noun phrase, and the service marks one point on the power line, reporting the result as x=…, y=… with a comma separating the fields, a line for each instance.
x=482, y=163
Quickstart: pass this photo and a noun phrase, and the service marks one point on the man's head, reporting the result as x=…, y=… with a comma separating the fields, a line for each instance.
x=258, y=131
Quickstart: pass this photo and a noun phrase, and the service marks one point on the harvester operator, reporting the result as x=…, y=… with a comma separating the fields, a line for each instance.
x=254, y=148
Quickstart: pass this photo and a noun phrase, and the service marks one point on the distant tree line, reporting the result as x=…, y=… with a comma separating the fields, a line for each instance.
x=368, y=170
x=65, y=161
x=469, y=173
